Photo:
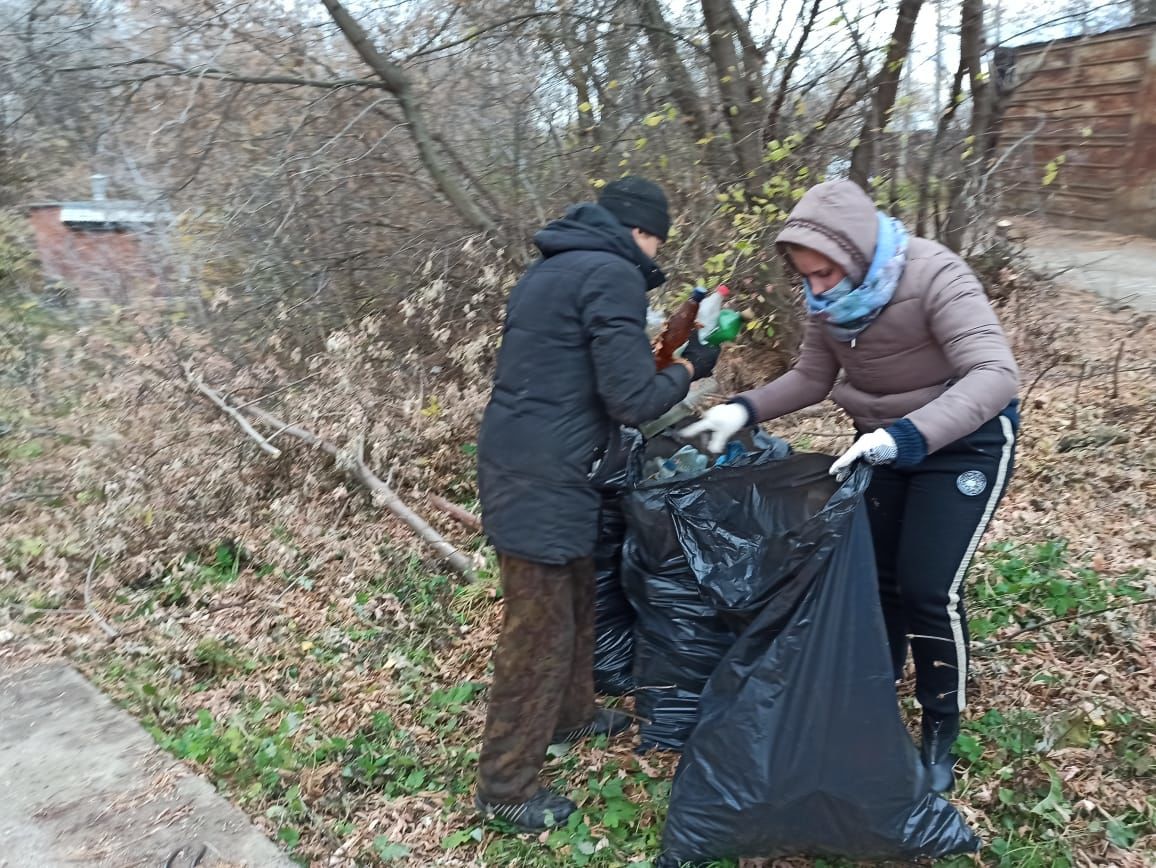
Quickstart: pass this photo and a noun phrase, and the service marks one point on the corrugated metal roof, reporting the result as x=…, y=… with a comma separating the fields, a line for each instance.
x=109, y=212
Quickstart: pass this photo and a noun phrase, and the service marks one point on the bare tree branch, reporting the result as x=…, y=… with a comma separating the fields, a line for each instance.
x=241, y=421
x=354, y=464
x=458, y=513
x=176, y=70
x=775, y=114
x=398, y=84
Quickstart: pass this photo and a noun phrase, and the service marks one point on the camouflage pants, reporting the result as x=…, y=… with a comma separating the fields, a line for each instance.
x=543, y=672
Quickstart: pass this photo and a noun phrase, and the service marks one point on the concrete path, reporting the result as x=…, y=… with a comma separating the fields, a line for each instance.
x=81, y=783
x=1119, y=268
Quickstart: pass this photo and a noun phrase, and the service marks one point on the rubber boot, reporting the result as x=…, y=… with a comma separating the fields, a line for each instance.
x=939, y=734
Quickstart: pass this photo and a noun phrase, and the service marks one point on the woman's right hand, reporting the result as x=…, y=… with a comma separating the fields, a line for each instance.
x=723, y=422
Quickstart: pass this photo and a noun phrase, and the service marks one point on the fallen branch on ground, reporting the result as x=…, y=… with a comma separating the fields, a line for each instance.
x=354, y=464
x=199, y=384
x=456, y=512
x=29, y=495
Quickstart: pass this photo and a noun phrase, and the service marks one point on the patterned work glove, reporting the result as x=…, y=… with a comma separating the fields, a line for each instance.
x=878, y=447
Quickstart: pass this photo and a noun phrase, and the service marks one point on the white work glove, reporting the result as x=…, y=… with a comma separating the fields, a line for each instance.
x=723, y=421
x=878, y=447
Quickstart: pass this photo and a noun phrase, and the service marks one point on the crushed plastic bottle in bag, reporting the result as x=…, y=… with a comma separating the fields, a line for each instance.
x=687, y=461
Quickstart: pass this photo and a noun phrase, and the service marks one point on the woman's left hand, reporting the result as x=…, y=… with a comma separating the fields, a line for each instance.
x=878, y=447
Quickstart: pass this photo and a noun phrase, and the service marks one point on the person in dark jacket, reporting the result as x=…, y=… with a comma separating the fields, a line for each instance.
x=575, y=362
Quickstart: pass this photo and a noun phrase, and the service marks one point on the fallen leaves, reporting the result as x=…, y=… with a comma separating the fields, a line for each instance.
x=326, y=607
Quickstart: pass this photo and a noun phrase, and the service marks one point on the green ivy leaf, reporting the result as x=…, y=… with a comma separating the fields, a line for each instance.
x=456, y=839
x=1121, y=835
x=388, y=851
x=289, y=836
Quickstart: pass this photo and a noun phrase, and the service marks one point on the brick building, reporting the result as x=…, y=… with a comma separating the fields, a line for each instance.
x=100, y=249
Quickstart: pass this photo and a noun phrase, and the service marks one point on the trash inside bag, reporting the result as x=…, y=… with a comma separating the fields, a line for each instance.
x=799, y=746
x=691, y=460
x=687, y=461
x=619, y=470
x=679, y=636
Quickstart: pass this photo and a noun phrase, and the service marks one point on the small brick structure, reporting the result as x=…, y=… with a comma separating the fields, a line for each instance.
x=102, y=249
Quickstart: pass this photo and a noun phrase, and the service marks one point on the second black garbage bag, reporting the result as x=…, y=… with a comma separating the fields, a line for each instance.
x=619, y=470
x=799, y=746
x=679, y=633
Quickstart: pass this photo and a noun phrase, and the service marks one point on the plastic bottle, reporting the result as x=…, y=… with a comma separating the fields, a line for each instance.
x=699, y=393
x=730, y=323
x=686, y=460
x=677, y=330
x=709, y=310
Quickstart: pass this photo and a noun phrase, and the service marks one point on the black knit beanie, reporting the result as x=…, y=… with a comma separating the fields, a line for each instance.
x=637, y=202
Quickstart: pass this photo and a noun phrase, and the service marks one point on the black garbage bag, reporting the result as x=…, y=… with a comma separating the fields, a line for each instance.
x=679, y=635
x=799, y=747
x=613, y=615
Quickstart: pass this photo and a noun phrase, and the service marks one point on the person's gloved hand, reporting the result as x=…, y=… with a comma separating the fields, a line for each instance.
x=702, y=357
x=723, y=422
x=878, y=447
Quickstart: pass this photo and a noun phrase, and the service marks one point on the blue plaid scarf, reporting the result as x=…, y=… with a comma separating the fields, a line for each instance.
x=848, y=310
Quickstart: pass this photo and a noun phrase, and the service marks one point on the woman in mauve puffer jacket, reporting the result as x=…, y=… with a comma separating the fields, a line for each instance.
x=900, y=334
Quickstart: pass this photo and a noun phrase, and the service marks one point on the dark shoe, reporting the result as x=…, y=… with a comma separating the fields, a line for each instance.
x=939, y=734
x=606, y=722
x=543, y=810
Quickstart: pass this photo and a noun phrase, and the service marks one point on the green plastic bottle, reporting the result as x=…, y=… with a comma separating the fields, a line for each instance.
x=730, y=323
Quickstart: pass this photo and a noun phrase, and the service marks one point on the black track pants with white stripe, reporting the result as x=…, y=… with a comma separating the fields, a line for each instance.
x=927, y=522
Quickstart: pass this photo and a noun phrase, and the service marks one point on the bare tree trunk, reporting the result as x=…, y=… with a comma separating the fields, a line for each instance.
x=941, y=128
x=971, y=53
x=615, y=68
x=884, y=90
x=683, y=92
x=753, y=57
x=743, y=118
x=598, y=123
x=398, y=84
x=682, y=89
